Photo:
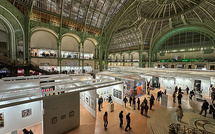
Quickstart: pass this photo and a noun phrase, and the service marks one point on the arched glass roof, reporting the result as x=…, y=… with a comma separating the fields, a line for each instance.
x=96, y=13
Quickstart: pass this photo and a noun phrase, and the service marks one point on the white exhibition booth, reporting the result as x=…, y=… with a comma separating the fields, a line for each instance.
x=200, y=80
x=51, y=102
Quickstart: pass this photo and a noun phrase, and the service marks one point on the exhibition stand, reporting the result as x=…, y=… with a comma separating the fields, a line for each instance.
x=45, y=101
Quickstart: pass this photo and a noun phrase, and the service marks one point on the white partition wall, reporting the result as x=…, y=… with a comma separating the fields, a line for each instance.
x=61, y=113
x=88, y=101
x=17, y=117
x=184, y=82
x=167, y=84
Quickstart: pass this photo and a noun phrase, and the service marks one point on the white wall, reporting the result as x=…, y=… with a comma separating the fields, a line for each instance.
x=109, y=90
x=205, y=85
x=168, y=84
x=58, y=105
x=69, y=44
x=13, y=117
x=90, y=94
x=184, y=82
x=43, y=39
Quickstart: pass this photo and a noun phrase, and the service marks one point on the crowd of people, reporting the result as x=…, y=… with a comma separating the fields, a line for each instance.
x=143, y=106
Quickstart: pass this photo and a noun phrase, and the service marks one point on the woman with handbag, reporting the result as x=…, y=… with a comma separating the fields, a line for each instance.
x=179, y=113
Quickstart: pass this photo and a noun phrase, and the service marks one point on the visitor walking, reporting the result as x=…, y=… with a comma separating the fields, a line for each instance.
x=146, y=109
x=134, y=101
x=213, y=96
x=105, y=119
x=130, y=100
x=109, y=99
x=187, y=89
x=128, y=119
x=204, y=108
x=191, y=94
x=212, y=110
x=138, y=103
x=142, y=107
x=145, y=101
x=179, y=113
x=125, y=100
x=179, y=97
x=174, y=96
x=176, y=89
x=153, y=98
x=121, y=118
x=151, y=101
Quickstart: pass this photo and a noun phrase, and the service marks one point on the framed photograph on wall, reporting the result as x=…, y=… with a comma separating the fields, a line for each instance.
x=82, y=96
x=87, y=99
x=71, y=114
x=1, y=120
x=26, y=112
x=93, y=103
x=54, y=120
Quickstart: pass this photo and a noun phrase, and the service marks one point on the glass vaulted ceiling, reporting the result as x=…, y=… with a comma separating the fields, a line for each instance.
x=96, y=13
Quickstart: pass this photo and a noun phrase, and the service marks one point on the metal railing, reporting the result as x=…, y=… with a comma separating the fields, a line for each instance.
x=176, y=128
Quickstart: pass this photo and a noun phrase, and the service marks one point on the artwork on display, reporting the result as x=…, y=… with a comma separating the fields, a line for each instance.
x=26, y=112
x=1, y=120
x=54, y=120
x=197, y=85
x=71, y=114
x=128, y=87
x=82, y=96
x=87, y=99
x=117, y=93
x=101, y=93
x=104, y=92
x=93, y=103
x=63, y=116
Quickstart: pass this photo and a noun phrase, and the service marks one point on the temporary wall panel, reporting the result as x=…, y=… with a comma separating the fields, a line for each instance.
x=88, y=101
x=61, y=113
x=18, y=117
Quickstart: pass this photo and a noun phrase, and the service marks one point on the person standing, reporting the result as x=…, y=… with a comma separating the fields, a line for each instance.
x=145, y=101
x=134, y=101
x=151, y=101
x=179, y=90
x=174, y=96
x=179, y=113
x=130, y=99
x=142, y=107
x=187, y=89
x=204, y=108
x=125, y=100
x=138, y=103
x=213, y=96
x=121, y=118
x=109, y=99
x=176, y=89
x=105, y=119
x=179, y=98
x=191, y=94
x=153, y=98
x=128, y=119
x=99, y=103
x=146, y=109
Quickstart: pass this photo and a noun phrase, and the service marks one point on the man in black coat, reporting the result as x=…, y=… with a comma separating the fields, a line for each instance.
x=204, y=108
x=99, y=103
x=121, y=118
x=179, y=98
x=128, y=122
x=130, y=100
x=125, y=100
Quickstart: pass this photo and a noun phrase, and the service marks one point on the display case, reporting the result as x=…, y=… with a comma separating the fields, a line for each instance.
x=70, y=55
x=87, y=56
x=35, y=52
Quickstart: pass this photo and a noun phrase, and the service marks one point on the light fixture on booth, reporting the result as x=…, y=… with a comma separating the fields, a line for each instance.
x=156, y=67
